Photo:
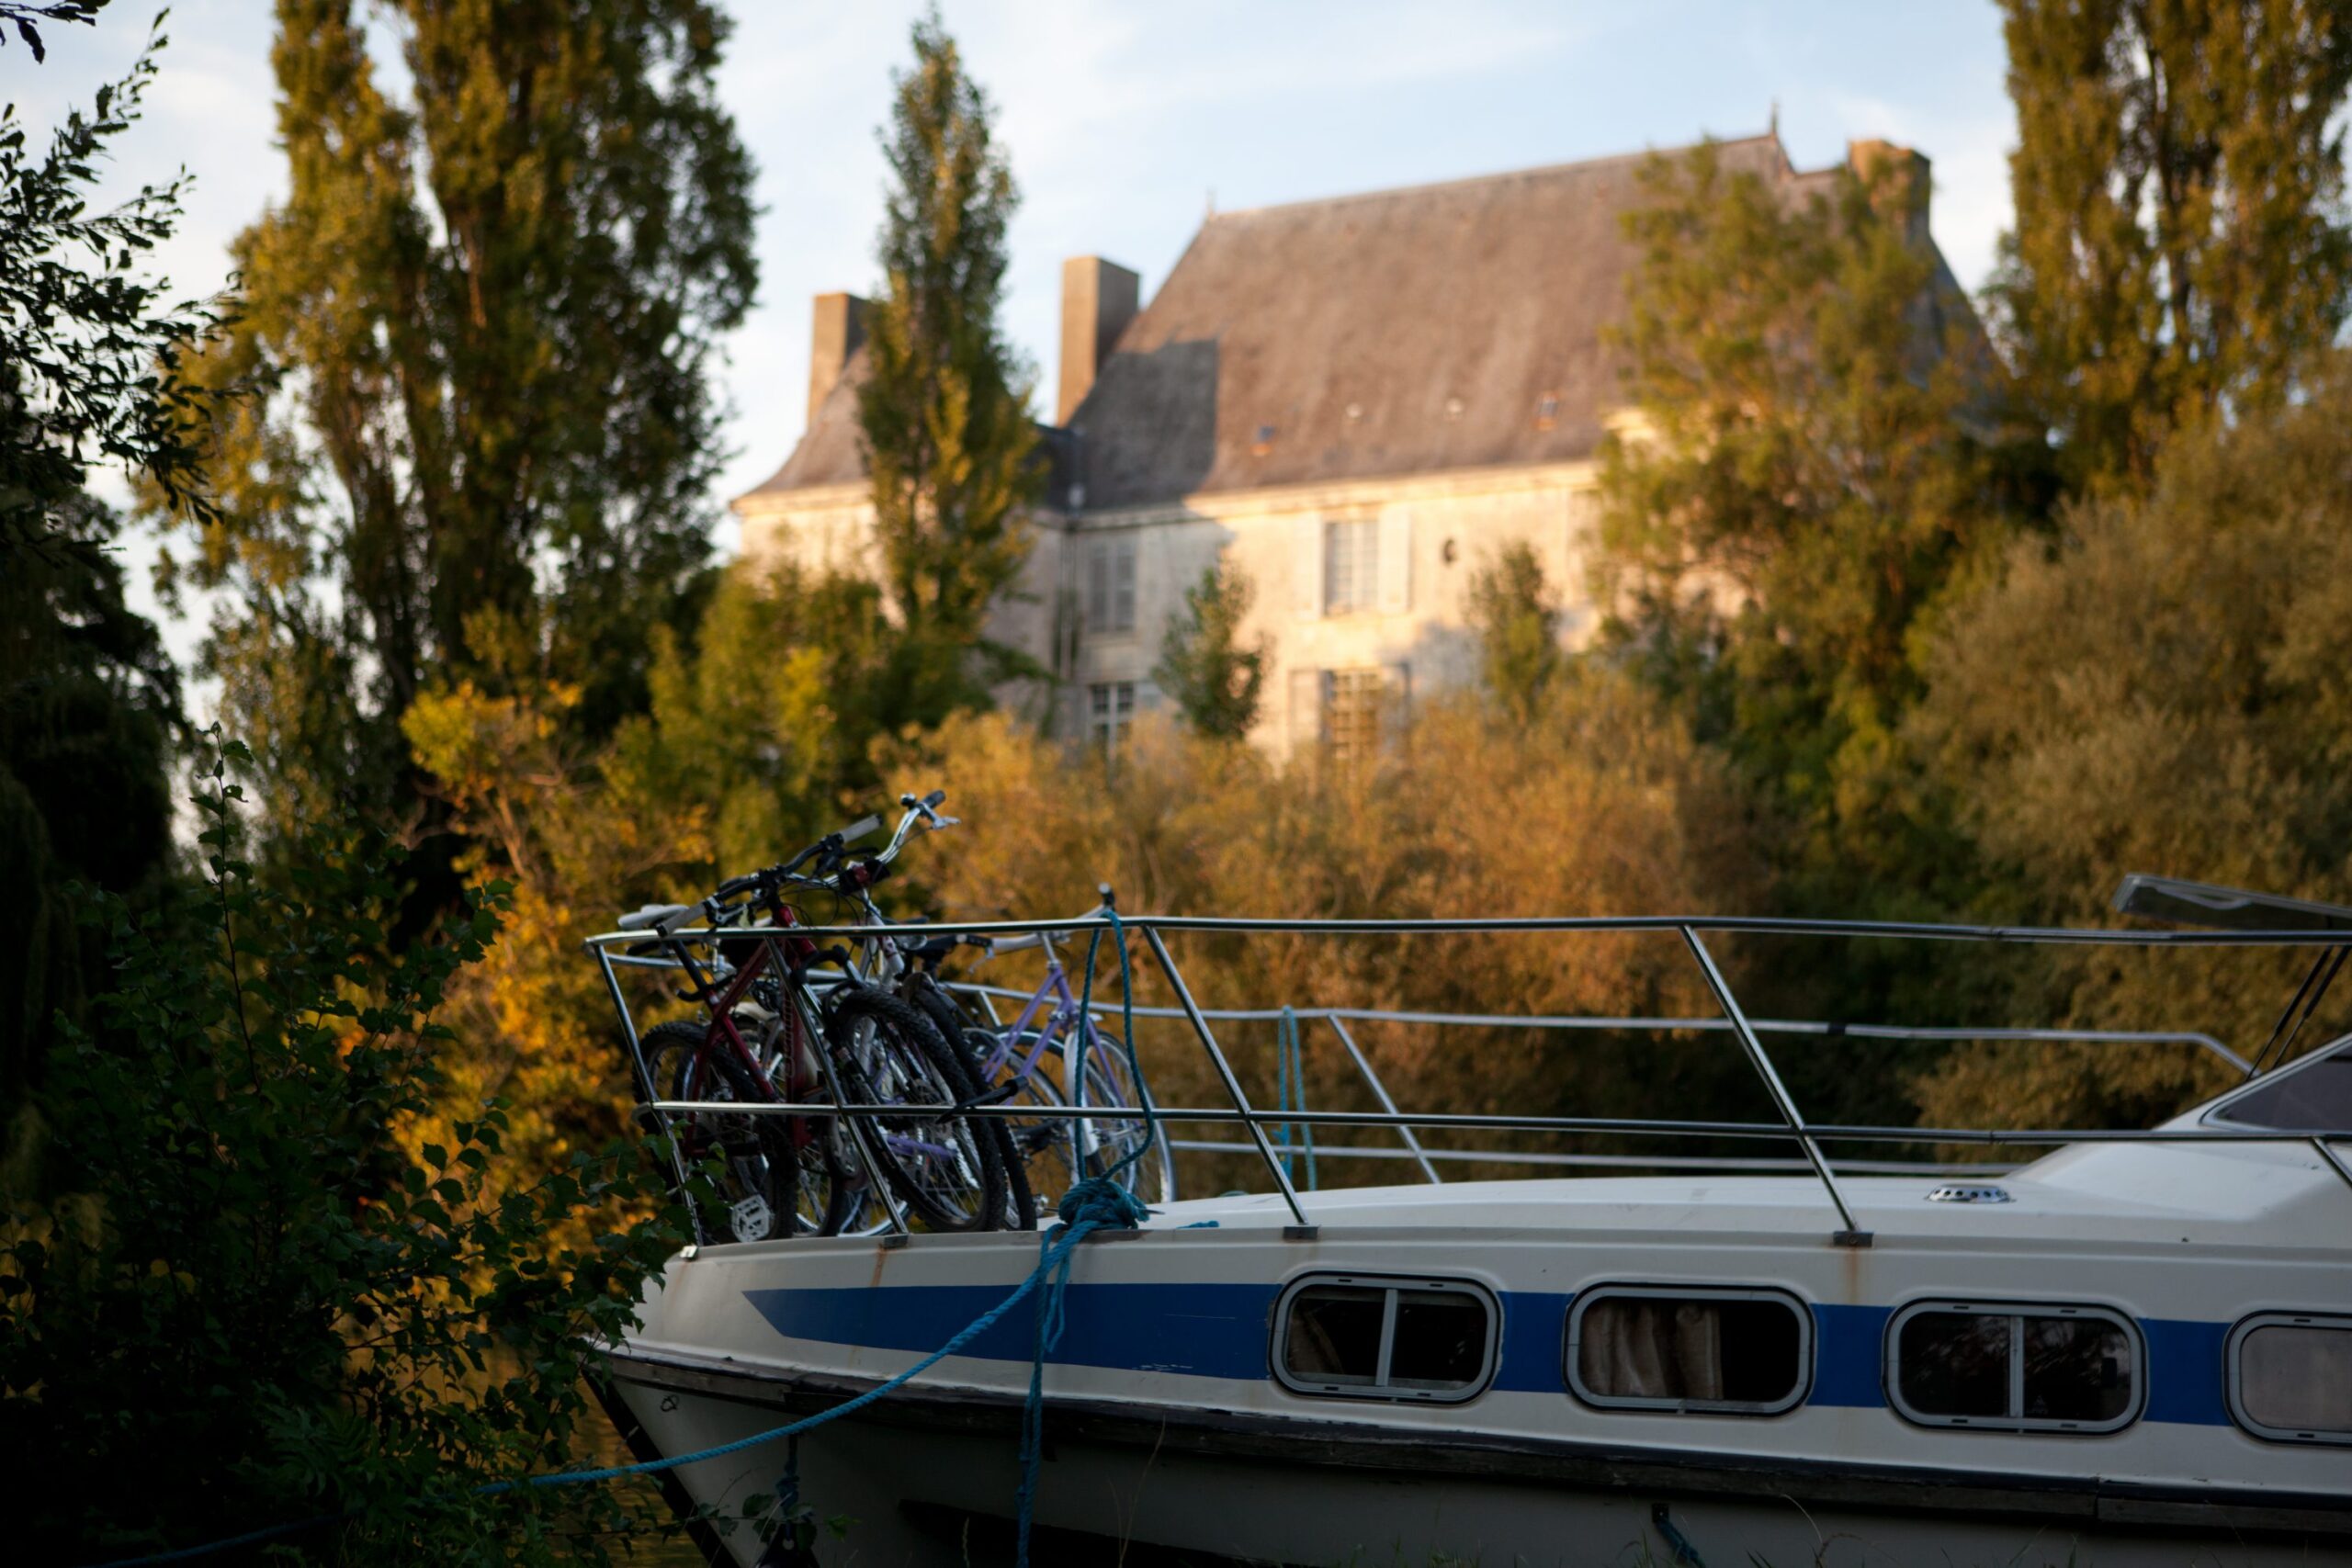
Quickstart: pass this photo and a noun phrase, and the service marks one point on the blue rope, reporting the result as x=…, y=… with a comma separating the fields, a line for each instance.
x=1095, y=1203
x=1055, y=1250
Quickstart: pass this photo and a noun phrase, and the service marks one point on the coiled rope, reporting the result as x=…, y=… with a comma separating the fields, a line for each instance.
x=1095, y=1203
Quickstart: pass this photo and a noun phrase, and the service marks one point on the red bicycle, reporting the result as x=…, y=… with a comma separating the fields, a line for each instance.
x=786, y=1021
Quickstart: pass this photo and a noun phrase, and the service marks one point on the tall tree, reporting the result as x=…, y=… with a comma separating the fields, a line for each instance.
x=944, y=410
x=1517, y=617
x=1823, y=464
x=88, y=698
x=2164, y=691
x=2180, y=249
x=1215, y=678
x=481, y=321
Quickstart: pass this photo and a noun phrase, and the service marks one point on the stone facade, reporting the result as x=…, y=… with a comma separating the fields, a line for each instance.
x=1357, y=401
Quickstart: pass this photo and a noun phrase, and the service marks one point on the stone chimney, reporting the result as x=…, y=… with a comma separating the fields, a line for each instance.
x=838, y=329
x=1907, y=172
x=1099, y=298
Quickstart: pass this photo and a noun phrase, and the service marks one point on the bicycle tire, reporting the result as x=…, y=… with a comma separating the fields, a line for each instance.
x=758, y=1174
x=901, y=1060
x=1019, y=1197
x=1151, y=1176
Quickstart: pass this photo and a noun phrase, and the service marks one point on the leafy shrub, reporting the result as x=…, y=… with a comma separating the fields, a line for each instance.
x=248, y=1300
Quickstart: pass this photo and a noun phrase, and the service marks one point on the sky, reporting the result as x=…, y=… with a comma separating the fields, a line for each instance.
x=1126, y=122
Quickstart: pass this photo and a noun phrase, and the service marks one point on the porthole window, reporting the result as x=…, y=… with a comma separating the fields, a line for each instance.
x=2014, y=1368
x=1691, y=1349
x=1380, y=1336
x=2290, y=1377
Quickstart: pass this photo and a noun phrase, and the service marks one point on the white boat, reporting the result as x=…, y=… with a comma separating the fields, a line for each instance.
x=2136, y=1350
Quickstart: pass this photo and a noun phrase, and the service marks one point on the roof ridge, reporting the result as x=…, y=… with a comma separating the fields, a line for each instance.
x=1499, y=174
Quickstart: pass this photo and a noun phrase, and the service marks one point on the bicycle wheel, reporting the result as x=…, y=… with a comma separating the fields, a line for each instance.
x=1020, y=1196
x=757, y=1175
x=888, y=1054
x=1109, y=1140
x=826, y=1184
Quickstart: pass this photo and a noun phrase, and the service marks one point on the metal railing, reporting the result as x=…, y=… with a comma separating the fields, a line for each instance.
x=612, y=952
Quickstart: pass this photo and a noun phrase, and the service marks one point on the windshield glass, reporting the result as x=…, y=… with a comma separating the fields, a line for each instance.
x=2315, y=1096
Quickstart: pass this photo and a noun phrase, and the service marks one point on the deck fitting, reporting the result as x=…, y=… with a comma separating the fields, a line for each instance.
x=1849, y=1239
x=1301, y=1233
x=895, y=1240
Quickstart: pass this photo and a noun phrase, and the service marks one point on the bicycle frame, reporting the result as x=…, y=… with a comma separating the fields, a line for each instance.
x=1066, y=1015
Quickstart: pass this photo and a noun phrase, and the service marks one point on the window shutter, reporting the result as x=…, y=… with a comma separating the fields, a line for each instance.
x=1396, y=561
x=1305, y=710
x=1306, y=568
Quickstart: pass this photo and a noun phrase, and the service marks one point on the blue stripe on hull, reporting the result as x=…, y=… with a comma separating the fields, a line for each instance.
x=1221, y=1331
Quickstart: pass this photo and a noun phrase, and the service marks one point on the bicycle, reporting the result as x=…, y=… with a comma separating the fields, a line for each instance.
x=875, y=1050
x=1028, y=1061
x=896, y=964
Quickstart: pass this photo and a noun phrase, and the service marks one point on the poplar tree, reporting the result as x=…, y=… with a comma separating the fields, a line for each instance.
x=2180, y=249
x=944, y=410
x=1517, y=618
x=1215, y=678
x=478, y=330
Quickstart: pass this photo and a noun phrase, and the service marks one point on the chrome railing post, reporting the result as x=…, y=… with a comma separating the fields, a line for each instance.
x=1380, y=1091
x=645, y=1079
x=1852, y=1235
x=1225, y=1075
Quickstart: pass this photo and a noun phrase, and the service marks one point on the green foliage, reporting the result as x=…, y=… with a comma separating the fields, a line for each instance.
x=478, y=328
x=1517, y=618
x=89, y=699
x=944, y=410
x=1822, y=466
x=1215, y=679
x=769, y=722
x=2164, y=691
x=256, y=1304
x=2180, y=251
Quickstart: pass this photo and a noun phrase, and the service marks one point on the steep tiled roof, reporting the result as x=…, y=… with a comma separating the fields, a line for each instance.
x=1444, y=326
x=831, y=451
x=1404, y=331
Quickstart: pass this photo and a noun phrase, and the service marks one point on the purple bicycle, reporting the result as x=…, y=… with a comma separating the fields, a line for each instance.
x=1052, y=1055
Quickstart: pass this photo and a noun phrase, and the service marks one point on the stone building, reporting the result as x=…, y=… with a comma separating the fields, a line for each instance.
x=1358, y=400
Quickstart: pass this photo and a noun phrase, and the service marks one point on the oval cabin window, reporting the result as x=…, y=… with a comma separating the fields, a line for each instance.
x=1735, y=1352
x=2013, y=1368
x=1373, y=1336
x=2290, y=1377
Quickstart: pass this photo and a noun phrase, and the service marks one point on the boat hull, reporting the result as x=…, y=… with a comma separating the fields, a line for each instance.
x=931, y=1477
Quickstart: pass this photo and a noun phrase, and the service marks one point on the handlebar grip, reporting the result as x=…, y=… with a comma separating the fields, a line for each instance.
x=859, y=828
x=653, y=917
x=936, y=797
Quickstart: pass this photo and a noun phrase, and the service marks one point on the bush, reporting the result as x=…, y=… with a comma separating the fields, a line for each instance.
x=246, y=1301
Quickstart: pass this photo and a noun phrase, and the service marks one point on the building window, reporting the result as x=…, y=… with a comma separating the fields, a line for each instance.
x=1363, y=1337
x=1110, y=709
x=2038, y=1368
x=2290, y=1377
x=1352, y=704
x=1745, y=1352
x=1350, y=566
x=1111, y=585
